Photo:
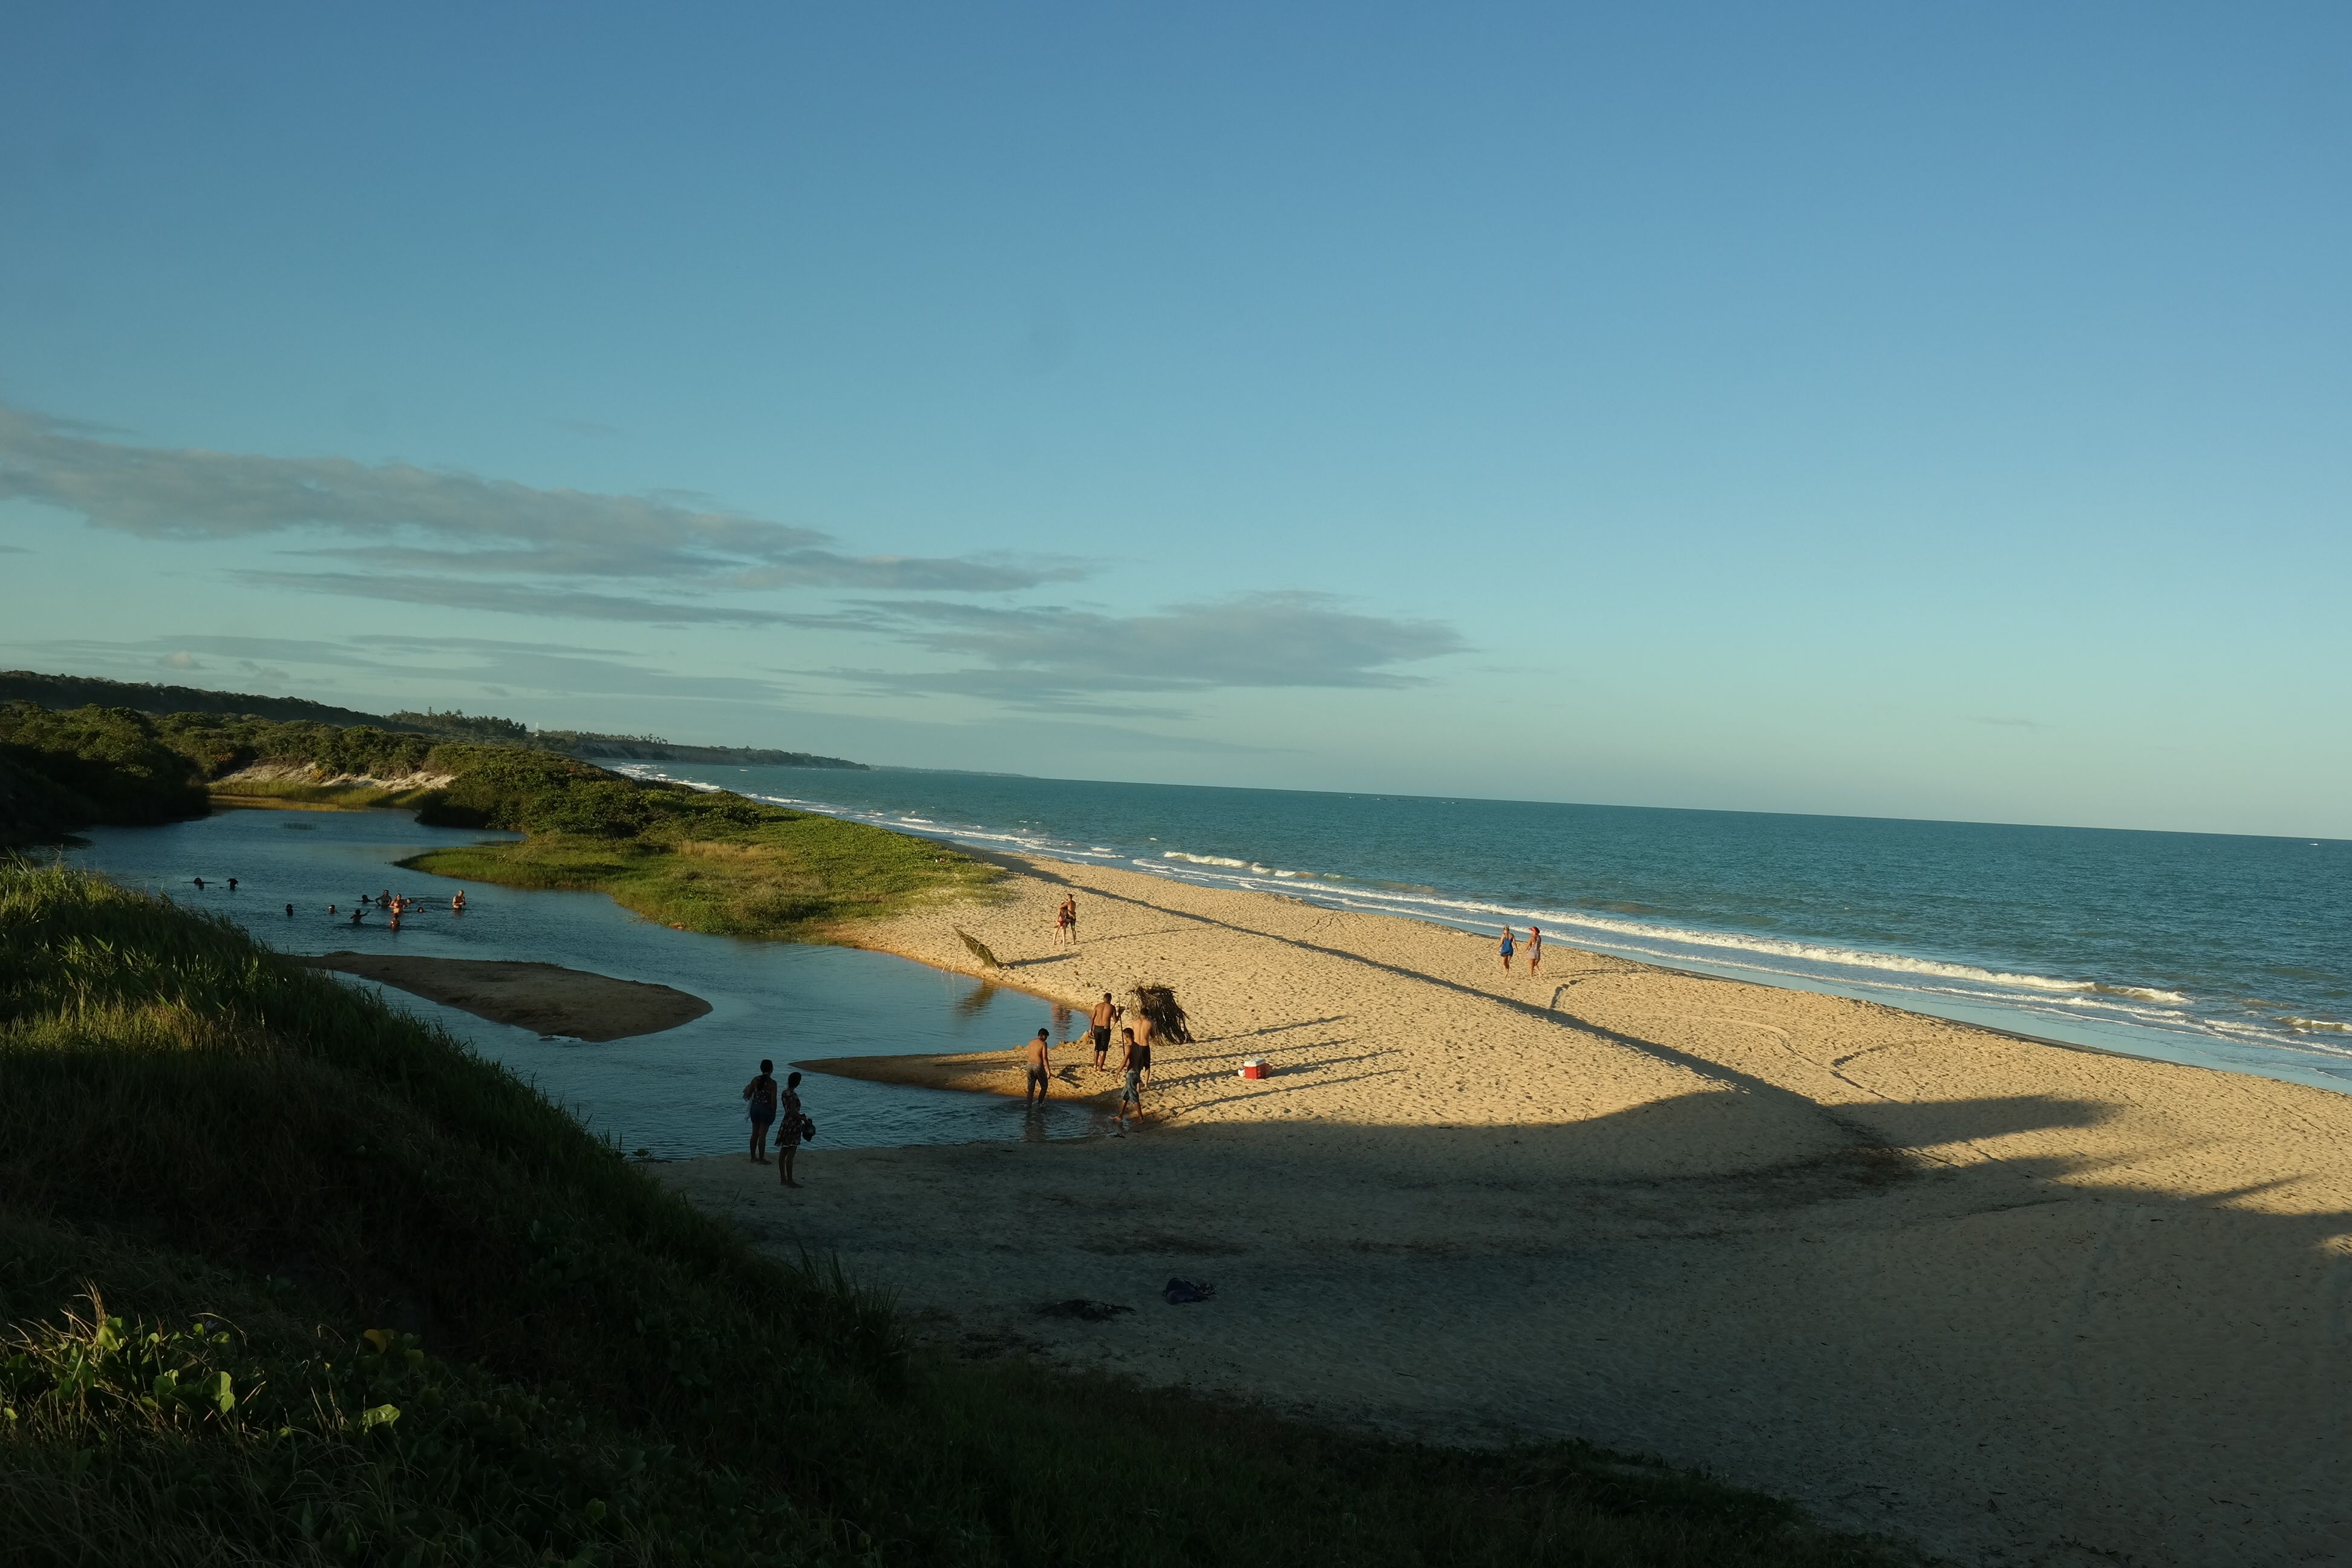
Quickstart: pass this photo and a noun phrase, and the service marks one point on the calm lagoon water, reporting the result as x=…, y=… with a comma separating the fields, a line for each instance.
x=676, y=1093
x=2221, y=951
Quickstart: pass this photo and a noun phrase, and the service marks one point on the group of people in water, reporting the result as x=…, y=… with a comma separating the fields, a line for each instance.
x=393, y=905
x=387, y=902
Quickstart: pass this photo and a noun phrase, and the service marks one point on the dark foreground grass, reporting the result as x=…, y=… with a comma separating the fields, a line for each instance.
x=289, y=1278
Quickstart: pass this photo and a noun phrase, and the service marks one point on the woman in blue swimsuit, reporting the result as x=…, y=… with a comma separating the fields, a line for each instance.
x=1504, y=952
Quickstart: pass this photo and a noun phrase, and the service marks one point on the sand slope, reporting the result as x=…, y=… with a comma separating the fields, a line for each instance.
x=2024, y=1303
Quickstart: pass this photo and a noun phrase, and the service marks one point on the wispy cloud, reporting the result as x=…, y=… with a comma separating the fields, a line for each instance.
x=512, y=666
x=457, y=522
x=522, y=599
x=1063, y=657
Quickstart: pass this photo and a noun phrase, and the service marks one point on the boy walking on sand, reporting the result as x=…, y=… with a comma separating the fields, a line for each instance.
x=1034, y=1083
x=1130, y=1090
x=1105, y=1014
x=759, y=1096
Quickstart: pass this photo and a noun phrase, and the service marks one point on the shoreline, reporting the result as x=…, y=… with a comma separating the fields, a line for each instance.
x=2097, y=998
x=2000, y=1295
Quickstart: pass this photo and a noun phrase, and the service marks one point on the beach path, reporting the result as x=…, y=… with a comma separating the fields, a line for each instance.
x=2023, y=1303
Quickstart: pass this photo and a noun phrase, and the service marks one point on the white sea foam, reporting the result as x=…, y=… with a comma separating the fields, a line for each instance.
x=2318, y=1026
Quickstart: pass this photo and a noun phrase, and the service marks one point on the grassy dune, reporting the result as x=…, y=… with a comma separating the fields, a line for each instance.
x=705, y=860
x=296, y=794
x=285, y=1277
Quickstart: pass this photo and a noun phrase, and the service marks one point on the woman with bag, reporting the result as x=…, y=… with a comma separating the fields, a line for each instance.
x=792, y=1127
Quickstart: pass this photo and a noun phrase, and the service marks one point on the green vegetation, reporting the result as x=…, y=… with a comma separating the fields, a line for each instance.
x=705, y=860
x=96, y=691
x=63, y=692
x=462, y=726
x=63, y=771
x=287, y=1277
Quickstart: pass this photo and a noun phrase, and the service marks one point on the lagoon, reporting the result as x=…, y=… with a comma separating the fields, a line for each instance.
x=675, y=1094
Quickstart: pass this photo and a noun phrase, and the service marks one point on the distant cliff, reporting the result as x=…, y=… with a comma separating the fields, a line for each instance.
x=652, y=749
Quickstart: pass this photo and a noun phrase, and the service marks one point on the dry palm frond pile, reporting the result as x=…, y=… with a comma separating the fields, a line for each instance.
x=1159, y=1004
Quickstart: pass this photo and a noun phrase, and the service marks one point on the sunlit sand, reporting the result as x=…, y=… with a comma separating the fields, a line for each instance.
x=1993, y=1294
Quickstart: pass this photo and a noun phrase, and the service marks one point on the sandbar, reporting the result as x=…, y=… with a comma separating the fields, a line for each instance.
x=544, y=998
x=1001, y=1073
x=2015, y=1302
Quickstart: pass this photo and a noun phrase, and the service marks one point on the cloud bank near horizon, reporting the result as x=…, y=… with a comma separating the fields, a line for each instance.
x=458, y=522
x=404, y=534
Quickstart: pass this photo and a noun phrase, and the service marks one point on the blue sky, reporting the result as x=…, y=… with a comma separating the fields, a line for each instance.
x=1864, y=408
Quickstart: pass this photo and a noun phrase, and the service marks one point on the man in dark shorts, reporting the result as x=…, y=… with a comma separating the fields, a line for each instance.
x=760, y=1095
x=1034, y=1083
x=1105, y=1014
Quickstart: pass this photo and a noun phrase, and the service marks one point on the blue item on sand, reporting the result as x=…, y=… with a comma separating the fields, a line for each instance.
x=1177, y=1292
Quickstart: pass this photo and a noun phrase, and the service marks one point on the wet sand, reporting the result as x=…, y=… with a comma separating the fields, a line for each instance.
x=543, y=997
x=2021, y=1303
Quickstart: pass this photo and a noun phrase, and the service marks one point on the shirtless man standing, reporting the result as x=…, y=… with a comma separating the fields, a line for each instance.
x=1104, y=1015
x=1037, y=1079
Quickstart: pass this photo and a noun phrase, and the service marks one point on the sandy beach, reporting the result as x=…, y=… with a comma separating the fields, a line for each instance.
x=2021, y=1303
x=542, y=996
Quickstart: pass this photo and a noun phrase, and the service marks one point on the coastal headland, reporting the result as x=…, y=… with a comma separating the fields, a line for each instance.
x=2020, y=1302
x=546, y=997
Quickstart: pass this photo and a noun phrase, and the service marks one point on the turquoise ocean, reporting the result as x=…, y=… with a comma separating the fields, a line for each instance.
x=2221, y=951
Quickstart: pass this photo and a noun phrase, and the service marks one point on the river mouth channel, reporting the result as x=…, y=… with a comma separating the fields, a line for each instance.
x=674, y=1095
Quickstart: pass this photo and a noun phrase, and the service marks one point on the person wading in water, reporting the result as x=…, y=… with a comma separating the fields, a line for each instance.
x=1034, y=1079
